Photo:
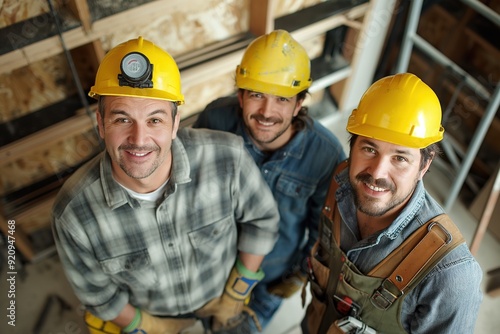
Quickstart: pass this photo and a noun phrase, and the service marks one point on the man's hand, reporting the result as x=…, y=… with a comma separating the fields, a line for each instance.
x=229, y=310
x=290, y=283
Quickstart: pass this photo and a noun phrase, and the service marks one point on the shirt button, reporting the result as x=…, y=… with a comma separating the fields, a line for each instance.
x=266, y=171
x=170, y=245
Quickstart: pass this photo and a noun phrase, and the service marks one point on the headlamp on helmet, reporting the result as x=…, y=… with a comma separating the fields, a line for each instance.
x=137, y=71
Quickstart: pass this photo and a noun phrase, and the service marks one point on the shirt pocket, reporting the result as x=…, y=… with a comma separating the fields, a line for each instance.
x=215, y=242
x=133, y=269
x=293, y=193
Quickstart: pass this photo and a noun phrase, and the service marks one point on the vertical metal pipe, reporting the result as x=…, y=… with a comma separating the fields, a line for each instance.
x=474, y=146
x=410, y=32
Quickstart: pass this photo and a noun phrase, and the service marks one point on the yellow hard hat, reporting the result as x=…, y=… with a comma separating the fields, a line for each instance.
x=275, y=64
x=399, y=109
x=138, y=68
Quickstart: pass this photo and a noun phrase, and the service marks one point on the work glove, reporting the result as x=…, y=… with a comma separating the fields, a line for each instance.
x=144, y=323
x=230, y=310
x=290, y=283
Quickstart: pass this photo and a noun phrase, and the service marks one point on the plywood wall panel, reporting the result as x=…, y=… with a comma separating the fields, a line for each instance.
x=15, y=11
x=193, y=25
x=33, y=87
x=49, y=161
x=199, y=95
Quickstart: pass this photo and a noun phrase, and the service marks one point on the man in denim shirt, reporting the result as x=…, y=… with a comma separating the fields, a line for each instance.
x=295, y=154
x=377, y=202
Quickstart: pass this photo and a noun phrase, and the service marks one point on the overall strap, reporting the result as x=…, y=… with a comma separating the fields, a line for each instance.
x=331, y=217
x=418, y=254
x=331, y=202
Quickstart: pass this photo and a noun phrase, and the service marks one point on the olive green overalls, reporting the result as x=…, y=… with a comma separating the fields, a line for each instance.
x=339, y=289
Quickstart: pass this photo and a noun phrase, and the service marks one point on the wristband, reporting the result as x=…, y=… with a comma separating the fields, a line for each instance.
x=136, y=321
x=244, y=271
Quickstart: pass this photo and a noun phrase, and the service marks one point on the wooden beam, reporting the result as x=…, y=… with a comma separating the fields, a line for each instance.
x=45, y=138
x=261, y=17
x=331, y=22
x=211, y=69
x=80, y=9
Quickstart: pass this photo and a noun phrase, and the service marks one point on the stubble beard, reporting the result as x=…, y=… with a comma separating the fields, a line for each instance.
x=138, y=173
x=373, y=207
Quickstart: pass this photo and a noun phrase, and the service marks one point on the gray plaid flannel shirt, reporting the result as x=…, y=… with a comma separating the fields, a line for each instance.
x=170, y=257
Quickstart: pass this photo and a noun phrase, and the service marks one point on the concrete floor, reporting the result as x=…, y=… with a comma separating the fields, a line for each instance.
x=44, y=282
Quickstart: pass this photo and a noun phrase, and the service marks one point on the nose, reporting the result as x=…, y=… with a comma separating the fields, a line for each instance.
x=138, y=134
x=379, y=168
x=266, y=107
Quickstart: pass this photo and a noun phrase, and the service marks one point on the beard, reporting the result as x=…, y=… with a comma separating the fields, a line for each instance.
x=138, y=172
x=374, y=207
x=270, y=136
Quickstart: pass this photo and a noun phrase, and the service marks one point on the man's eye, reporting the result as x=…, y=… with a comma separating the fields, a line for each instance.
x=121, y=120
x=369, y=150
x=156, y=121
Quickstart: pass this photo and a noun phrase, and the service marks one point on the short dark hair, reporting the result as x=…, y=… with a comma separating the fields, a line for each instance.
x=426, y=154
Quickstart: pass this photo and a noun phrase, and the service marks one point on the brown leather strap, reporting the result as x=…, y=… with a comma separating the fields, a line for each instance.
x=331, y=202
x=423, y=249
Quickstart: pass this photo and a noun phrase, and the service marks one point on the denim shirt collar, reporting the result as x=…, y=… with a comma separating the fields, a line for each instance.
x=347, y=209
x=116, y=196
x=294, y=148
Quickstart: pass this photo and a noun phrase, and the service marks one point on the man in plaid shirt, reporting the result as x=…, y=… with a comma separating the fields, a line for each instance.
x=166, y=225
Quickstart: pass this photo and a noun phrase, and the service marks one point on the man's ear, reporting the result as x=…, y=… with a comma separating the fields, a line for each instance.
x=427, y=166
x=298, y=106
x=240, y=97
x=100, y=123
x=177, y=122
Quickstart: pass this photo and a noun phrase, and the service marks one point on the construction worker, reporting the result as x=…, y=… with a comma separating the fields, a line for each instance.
x=295, y=154
x=166, y=225
x=388, y=259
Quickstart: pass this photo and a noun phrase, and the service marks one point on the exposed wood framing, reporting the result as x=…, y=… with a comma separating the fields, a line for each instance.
x=261, y=17
x=77, y=37
x=81, y=10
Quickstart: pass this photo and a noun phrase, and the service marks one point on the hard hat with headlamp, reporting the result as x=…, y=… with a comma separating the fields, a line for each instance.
x=138, y=68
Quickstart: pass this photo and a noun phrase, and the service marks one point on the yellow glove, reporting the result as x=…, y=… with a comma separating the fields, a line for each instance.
x=146, y=323
x=229, y=310
x=289, y=284
x=96, y=325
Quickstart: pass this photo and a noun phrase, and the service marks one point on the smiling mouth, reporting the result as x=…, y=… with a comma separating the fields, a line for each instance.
x=375, y=188
x=265, y=123
x=137, y=154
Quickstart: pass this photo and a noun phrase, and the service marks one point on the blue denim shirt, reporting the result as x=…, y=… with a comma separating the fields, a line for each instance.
x=298, y=175
x=448, y=299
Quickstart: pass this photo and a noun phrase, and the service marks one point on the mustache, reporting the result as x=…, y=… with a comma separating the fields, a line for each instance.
x=266, y=119
x=381, y=183
x=137, y=148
